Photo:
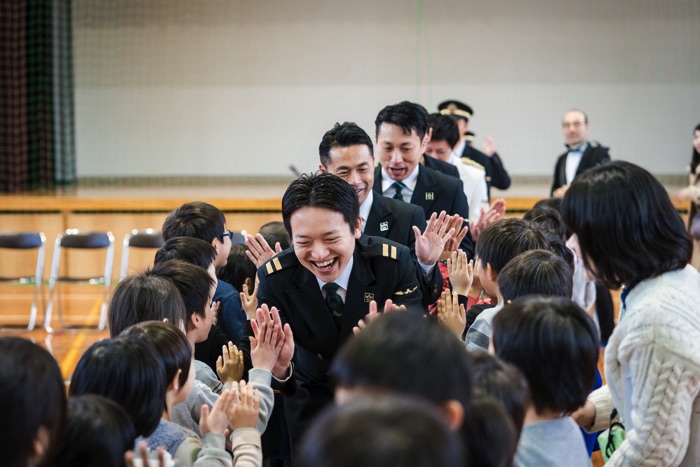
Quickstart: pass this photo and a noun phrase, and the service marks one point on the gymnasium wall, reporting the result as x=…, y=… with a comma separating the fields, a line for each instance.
x=247, y=87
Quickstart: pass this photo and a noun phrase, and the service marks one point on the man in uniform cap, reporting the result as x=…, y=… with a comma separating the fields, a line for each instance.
x=496, y=174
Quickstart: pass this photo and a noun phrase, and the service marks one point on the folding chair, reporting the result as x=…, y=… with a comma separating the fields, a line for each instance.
x=148, y=238
x=25, y=241
x=73, y=238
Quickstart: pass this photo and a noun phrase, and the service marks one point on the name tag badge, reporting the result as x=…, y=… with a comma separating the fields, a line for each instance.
x=384, y=226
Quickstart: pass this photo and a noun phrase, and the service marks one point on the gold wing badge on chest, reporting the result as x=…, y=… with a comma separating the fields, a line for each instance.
x=406, y=292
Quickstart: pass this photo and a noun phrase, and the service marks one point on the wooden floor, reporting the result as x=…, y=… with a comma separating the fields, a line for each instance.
x=77, y=306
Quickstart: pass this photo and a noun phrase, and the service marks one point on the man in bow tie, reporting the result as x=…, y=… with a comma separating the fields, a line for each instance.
x=581, y=155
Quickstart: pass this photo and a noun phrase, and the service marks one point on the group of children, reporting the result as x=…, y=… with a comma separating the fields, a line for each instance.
x=171, y=387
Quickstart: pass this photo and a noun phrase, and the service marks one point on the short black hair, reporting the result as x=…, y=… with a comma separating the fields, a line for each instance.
x=380, y=432
x=172, y=346
x=504, y=382
x=536, y=272
x=506, y=238
x=193, y=283
x=320, y=190
x=343, y=136
x=409, y=116
x=492, y=435
x=98, y=433
x=274, y=232
x=627, y=227
x=436, y=370
x=129, y=371
x=188, y=249
x=32, y=396
x=549, y=219
x=556, y=346
x=143, y=297
x=196, y=219
x=238, y=268
x=554, y=203
x=444, y=129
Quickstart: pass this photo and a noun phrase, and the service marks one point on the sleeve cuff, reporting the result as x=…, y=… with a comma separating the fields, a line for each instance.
x=427, y=269
x=603, y=403
x=291, y=373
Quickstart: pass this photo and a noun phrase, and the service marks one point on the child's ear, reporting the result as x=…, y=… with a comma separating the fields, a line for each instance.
x=175, y=383
x=193, y=322
x=453, y=411
x=492, y=274
x=40, y=443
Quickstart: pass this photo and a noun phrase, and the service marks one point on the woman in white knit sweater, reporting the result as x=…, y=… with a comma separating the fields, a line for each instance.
x=630, y=235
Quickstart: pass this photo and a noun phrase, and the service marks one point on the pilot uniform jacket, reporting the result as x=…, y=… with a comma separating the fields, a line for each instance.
x=496, y=174
x=381, y=270
x=436, y=192
x=393, y=219
x=594, y=154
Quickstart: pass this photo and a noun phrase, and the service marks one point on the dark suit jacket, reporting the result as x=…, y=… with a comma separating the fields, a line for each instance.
x=592, y=156
x=437, y=192
x=381, y=270
x=441, y=166
x=496, y=174
x=394, y=220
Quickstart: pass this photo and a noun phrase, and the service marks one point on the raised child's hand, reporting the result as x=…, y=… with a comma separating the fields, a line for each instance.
x=229, y=366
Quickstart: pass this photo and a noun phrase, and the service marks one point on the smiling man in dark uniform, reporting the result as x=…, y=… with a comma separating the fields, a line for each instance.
x=324, y=283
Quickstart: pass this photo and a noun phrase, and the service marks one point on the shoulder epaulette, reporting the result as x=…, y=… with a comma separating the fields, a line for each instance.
x=274, y=265
x=472, y=163
x=381, y=249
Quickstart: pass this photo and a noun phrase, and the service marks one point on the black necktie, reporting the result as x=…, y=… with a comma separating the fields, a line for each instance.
x=398, y=186
x=334, y=302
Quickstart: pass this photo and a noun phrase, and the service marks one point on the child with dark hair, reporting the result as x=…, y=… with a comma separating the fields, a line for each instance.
x=208, y=223
x=200, y=253
x=502, y=381
x=491, y=431
x=145, y=296
x=555, y=344
x=595, y=299
x=239, y=270
x=498, y=243
x=32, y=404
x=437, y=370
x=127, y=371
x=380, y=432
x=549, y=219
x=540, y=272
x=185, y=445
x=276, y=235
x=535, y=272
x=97, y=434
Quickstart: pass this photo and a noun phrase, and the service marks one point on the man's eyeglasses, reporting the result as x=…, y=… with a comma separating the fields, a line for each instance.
x=228, y=234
